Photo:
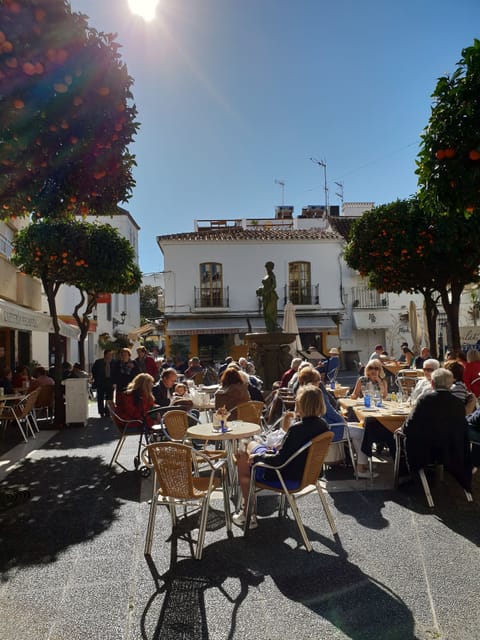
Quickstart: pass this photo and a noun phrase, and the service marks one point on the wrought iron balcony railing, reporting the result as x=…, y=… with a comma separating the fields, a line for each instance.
x=365, y=298
x=211, y=297
x=301, y=294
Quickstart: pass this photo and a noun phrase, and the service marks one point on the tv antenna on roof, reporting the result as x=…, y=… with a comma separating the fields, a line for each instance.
x=339, y=193
x=323, y=163
x=282, y=184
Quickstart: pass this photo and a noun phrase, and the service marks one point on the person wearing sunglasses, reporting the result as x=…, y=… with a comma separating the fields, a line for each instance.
x=374, y=377
x=424, y=385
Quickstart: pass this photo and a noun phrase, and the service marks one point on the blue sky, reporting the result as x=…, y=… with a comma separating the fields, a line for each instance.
x=235, y=94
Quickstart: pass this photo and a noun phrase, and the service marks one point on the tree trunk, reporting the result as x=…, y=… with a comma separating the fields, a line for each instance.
x=451, y=304
x=57, y=345
x=431, y=313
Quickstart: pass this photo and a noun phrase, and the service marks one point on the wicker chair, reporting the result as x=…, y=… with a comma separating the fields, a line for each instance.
x=316, y=451
x=176, y=485
x=126, y=428
x=45, y=402
x=250, y=411
x=22, y=414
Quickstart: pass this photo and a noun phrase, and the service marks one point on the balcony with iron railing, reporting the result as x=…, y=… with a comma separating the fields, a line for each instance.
x=365, y=298
x=301, y=294
x=208, y=297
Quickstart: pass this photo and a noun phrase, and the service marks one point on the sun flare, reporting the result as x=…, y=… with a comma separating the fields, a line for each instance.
x=144, y=8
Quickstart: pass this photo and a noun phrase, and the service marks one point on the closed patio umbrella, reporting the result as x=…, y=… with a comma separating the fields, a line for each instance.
x=415, y=328
x=290, y=326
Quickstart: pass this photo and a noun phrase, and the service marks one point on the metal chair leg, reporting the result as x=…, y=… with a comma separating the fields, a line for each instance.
x=326, y=508
x=151, y=525
x=426, y=487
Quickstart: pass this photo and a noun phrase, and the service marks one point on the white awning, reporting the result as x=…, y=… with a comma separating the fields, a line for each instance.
x=374, y=319
x=193, y=326
x=312, y=324
x=16, y=317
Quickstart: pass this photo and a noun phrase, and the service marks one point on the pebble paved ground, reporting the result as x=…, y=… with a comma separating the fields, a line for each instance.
x=73, y=568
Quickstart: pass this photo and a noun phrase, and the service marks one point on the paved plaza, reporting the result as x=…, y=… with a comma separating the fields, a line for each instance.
x=73, y=568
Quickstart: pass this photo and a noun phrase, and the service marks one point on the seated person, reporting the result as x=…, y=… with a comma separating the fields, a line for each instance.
x=163, y=391
x=424, y=385
x=138, y=400
x=194, y=367
x=374, y=379
x=458, y=388
x=289, y=373
x=473, y=430
x=436, y=431
x=328, y=368
x=309, y=406
x=40, y=378
x=181, y=397
x=424, y=355
x=407, y=356
x=6, y=380
x=379, y=353
x=233, y=390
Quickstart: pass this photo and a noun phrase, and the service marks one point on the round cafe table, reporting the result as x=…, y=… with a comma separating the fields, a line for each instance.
x=237, y=430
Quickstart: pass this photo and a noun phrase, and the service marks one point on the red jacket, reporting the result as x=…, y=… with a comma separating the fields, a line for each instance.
x=134, y=407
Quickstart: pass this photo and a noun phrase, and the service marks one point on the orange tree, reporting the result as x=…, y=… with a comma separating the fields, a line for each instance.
x=449, y=177
x=402, y=247
x=91, y=257
x=66, y=118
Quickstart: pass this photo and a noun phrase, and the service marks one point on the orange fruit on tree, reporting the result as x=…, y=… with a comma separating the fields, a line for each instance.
x=104, y=91
x=60, y=87
x=12, y=63
x=39, y=68
x=474, y=154
x=7, y=47
x=28, y=68
x=440, y=154
x=40, y=15
x=18, y=104
x=449, y=153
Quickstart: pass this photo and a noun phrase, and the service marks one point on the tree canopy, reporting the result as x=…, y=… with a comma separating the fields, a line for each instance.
x=449, y=158
x=66, y=117
x=149, y=302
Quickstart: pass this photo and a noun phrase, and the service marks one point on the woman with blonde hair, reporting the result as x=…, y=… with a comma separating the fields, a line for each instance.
x=138, y=400
x=309, y=406
x=374, y=377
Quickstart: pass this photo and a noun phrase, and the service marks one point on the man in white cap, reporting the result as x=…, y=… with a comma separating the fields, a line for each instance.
x=328, y=368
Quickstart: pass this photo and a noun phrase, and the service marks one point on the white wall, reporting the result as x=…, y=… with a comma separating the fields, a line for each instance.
x=244, y=267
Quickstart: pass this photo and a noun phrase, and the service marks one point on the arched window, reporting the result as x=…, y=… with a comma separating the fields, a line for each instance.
x=211, y=284
x=299, y=283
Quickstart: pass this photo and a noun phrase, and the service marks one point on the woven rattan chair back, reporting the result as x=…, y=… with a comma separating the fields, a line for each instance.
x=27, y=406
x=175, y=423
x=250, y=411
x=172, y=462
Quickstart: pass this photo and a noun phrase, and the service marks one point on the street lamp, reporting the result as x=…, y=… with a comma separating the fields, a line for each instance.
x=116, y=322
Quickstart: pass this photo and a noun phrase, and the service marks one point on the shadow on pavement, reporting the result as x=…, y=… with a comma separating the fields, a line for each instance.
x=70, y=503
x=325, y=583
x=97, y=432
